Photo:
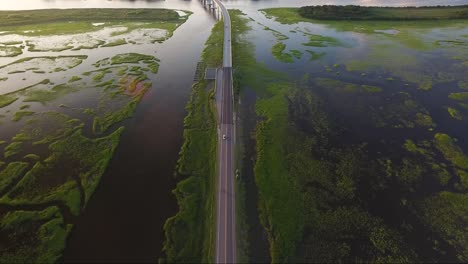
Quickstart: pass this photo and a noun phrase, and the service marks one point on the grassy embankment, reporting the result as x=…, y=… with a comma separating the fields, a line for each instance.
x=279, y=204
x=314, y=187
x=190, y=234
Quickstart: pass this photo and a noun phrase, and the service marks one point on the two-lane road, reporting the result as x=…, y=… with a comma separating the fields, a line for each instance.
x=226, y=219
x=226, y=231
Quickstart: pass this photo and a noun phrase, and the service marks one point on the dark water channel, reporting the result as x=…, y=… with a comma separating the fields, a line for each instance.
x=124, y=219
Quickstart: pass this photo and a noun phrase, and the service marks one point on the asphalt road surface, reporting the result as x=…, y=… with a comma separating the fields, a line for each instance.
x=226, y=221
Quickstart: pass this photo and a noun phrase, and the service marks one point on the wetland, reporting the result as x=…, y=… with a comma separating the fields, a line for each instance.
x=359, y=151
x=353, y=141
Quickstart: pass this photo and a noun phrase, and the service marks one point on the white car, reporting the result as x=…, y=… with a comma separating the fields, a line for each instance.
x=224, y=136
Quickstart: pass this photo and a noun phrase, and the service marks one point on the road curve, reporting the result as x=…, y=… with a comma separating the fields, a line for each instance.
x=225, y=220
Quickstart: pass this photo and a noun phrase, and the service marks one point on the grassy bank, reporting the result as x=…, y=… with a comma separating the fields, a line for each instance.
x=279, y=206
x=190, y=234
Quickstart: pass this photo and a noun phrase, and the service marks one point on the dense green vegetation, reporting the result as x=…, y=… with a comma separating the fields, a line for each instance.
x=131, y=58
x=328, y=193
x=320, y=41
x=455, y=113
x=49, y=21
x=277, y=51
x=462, y=96
x=190, y=234
x=10, y=51
x=6, y=100
x=35, y=236
x=353, y=12
x=20, y=114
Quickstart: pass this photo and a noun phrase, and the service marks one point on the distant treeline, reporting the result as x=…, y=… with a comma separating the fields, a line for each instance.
x=353, y=12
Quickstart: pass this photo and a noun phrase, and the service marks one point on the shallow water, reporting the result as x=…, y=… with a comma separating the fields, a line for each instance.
x=405, y=60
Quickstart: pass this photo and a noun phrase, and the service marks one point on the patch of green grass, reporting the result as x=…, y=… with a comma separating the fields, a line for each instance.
x=446, y=213
x=464, y=106
x=74, y=79
x=297, y=53
x=315, y=55
x=345, y=86
x=93, y=155
x=114, y=43
x=99, y=75
x=32, y=157
x=74, y=160
x=463, y=85
x=278, y=35
x=451, y=151
x=412, y=147
x=6, y=51
x=6, y=100
x=153, y=66
x=78, y=60
x=14, y=72
x=92, y=45
x=10, y=173
x=7, y=43
x=463, y=96
x=130, y=58
x=321, y=41
x=110, y=117
x=47, y=127
x=423, y=120
x=277, y=51
x=455, y=113
x=13, y=149
x=383, y=57
x=190, y=234
x=46, y=232
x=44, y=96
x=280, y=205
x=284, y=15
x=20, y=114
x=214, y=58
x=371, y=88
x=463, y=178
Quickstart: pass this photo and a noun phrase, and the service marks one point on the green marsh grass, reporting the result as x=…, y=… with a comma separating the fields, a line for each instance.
x=190, y=234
